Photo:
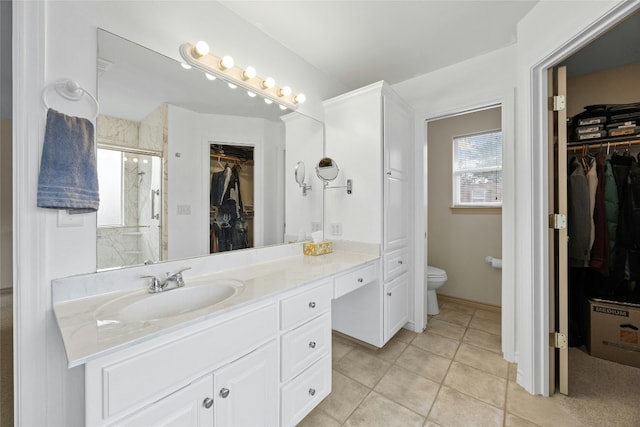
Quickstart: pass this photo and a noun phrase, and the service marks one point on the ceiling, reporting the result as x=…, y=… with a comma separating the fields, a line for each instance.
x=361, y=42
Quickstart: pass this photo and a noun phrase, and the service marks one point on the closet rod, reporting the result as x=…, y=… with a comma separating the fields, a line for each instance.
x=575, y=146
x=229, y=158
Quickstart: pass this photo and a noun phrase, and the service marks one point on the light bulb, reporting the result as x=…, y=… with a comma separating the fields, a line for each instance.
x=210, y=76
x=185, y=66
x=201, y=49
x=232, y=86
x=135, y=160
x=282, y=107
x=300, y=98
x=251, y=94
x=285, y=91
x=145, y=161
x=268, y=101
x=249, y=73
x=268, y=83
x=226, y=62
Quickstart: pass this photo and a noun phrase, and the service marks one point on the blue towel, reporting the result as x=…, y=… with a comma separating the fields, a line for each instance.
x=68, y=171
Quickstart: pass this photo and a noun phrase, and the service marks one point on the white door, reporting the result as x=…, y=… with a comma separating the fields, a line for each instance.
x=558, y=239
x=246, y=390
x=189, y=406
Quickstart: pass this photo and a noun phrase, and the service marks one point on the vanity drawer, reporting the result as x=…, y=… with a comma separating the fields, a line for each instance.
x=396, y=262
x=303, y=393
x=146, y=376
x=304, y=345
x=305, y=306
x=351, y=281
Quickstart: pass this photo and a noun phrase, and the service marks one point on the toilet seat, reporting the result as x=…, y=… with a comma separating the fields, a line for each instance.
x=435, y=273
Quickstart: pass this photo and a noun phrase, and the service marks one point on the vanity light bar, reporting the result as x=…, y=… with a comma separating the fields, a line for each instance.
x=198, y=56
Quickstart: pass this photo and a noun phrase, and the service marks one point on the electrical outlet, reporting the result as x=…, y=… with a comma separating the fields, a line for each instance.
x=184, y=209
x=315, y=226
x=336, y=229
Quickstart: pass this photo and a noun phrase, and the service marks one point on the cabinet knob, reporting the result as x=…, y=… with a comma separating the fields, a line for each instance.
x=224, y=392
x=400, y=262
x=312, y=391
x=207, y=403
x=312, y=304
x=389, y=293
x=312, y=344
x=389, y=173
x=360, y=280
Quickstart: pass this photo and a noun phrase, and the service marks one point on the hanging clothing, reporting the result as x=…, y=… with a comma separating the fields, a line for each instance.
x=611, y=207
x=579, y=219
x=600, y=249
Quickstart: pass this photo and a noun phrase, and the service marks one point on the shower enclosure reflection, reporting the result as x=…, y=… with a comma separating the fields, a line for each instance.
x=129, y=218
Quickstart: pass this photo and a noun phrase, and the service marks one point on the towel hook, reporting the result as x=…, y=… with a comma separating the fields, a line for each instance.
x=71, y=90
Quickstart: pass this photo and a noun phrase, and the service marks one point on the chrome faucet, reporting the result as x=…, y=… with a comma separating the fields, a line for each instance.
x=161, y=286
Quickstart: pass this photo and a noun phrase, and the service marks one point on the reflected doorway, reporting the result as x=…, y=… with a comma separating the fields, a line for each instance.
x=231, y=197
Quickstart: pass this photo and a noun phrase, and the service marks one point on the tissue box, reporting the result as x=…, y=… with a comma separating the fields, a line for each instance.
x=320, y=248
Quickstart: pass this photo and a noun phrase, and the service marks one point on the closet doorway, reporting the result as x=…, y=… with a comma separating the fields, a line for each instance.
x=577, y=85
x=231, y=200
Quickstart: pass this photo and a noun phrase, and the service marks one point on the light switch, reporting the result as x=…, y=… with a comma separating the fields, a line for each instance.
x=66, y=220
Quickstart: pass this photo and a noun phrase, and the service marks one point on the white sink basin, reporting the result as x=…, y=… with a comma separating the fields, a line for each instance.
x=143, y=306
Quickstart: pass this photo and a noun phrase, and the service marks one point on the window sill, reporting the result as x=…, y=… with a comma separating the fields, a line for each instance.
x=476, y=210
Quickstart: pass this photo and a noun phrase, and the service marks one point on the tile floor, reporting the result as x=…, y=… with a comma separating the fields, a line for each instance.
x=453, y=374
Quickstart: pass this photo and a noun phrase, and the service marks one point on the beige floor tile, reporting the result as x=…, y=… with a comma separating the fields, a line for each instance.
x=389, y=352
x=513, y=372
x=377, y=410
x=515, y=421
x=453, y=408
x=485, y=360
x=339, y=349
x=424, y=363
x=483, y=339
x=488, y=325
x=544, y=411
x=454, y=316
x=458, y=307
x=405, y=335
x=431, y=424
x=362, y=367
x=489, y=315
x=318, y=418
x=437, y=344
x=475, y=383
x=445, y=329
x=408, y=389
x=346, y=394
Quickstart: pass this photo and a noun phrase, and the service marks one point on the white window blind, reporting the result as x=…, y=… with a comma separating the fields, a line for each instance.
x=477, y=170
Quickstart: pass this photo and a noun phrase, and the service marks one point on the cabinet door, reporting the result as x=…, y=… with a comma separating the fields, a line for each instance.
x=397, y=144
x=185, y=407
x=246, y=390
x=396, y=305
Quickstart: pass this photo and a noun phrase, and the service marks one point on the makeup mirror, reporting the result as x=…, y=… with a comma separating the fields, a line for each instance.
x=327, y=169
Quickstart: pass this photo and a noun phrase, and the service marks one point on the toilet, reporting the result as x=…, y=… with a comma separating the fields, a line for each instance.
x=435, y=277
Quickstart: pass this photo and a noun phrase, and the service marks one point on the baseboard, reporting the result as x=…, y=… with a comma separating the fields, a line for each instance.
x=469, y=303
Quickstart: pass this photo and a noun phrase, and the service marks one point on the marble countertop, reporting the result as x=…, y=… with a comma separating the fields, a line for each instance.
x=89, y=333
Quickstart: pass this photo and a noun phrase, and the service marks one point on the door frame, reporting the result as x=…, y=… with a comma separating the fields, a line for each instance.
x=540, y=363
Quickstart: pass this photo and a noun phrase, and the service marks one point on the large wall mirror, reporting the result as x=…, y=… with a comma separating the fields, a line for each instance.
x=189, y=166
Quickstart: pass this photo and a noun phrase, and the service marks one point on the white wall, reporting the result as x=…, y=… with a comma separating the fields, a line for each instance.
x=354, y=141
x=60, y=38
x=304, y=143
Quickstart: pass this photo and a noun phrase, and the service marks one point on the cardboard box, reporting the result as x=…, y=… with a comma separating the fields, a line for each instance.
x=320, y=248
x=614, y=331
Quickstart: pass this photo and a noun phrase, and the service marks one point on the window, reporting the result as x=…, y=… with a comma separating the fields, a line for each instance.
x=477, y=170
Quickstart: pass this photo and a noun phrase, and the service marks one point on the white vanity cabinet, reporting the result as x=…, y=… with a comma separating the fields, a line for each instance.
x=305, y=349
x=221, y=373
x=369, y=132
